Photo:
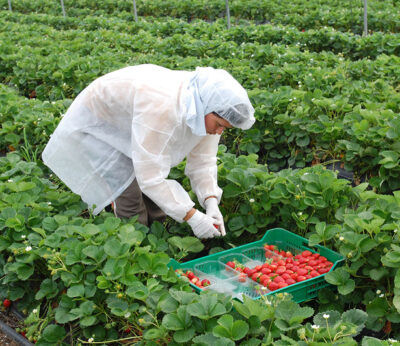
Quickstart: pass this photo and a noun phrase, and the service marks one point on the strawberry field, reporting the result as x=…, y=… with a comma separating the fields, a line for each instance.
x=322, y=161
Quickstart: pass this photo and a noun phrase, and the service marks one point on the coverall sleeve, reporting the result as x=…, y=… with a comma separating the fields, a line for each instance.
x=153, y=127
x=201, y=168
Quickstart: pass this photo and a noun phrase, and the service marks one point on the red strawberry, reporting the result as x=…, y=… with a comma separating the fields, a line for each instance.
x=206, y=282
x=6, y=303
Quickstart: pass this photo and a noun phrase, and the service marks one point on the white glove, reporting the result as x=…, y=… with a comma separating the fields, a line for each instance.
x=213, y=211
x=203, y=225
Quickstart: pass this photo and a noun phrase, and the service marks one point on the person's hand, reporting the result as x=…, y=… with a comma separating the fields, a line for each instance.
x=213, y=211
x=203, y=225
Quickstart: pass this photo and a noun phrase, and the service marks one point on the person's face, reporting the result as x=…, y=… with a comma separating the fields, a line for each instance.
x=215, y=125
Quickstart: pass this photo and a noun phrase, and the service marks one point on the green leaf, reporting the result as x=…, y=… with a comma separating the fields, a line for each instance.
x=347, y=288
x=95, y=252
x=4, y=243
x=396, y=299
x=187, y=244
x=210, y=339
x=377, y=274
x=111, y=223
x=76, y=291
x=237, y=223
x=87, y=308
x=115, y=249
x=242, y=179
x=313, y=188
x=88, y=321
x=331, y=317
x=337, y=277
x=369, y=341
x=48, y=288
x=21, y=186
x=39, y=231
x=206, y=308
x=23, y=271
x=118, y=306
x=183, y=297
x=251, y=307
x=90, y=230
x=292, y=313
x=229, y=329
x=128, y=235
x=102, y=282
x=378, y=307
x=138, y=291
x=63, y=315
x=178, y=321
x=54, y=333
x=168, y=304
x=356, y=317
x=183, y=336
x=153, y=333
x=114, y=268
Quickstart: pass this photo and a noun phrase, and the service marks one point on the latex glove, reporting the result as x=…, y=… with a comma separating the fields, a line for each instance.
x=203, y=225
x=213, y=211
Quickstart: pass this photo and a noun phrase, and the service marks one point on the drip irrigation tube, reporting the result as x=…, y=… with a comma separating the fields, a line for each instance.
x=11, y=333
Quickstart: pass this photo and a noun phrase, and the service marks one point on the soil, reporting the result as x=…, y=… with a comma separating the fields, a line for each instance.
x=11, y=321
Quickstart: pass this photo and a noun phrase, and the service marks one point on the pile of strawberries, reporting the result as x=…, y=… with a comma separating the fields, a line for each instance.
x=286, y=269
x=194, y=279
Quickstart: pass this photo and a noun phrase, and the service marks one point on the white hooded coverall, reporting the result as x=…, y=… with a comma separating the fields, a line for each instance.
x=133, y=123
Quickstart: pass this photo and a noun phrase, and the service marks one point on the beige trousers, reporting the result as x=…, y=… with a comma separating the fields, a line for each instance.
x=133, y=202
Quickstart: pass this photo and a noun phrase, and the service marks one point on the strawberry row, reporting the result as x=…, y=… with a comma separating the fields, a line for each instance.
x=352, y=46
x=313, y=14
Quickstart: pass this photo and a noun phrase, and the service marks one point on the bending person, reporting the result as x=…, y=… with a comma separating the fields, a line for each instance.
x=122, y=135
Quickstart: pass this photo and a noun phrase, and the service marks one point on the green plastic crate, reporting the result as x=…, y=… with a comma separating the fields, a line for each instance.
x=252, y=253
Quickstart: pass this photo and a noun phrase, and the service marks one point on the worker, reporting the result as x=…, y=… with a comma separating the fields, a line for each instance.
x=124, y=132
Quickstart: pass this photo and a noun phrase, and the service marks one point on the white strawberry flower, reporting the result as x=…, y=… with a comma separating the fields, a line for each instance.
x=326, y=316
x=28, y=248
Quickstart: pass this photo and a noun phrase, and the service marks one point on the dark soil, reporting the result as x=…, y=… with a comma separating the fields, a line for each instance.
x=11, y=321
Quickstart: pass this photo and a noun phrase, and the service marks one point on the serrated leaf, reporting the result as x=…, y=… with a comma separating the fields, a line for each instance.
x=337, y=277
x=356, y=317
x=153, y=333
x=187, y=244
x=76, y=291
x=206, y=308
x=138, y=291
x=331, y=317
x=251, y=307
x=292, y=313
x=54, y=333
x=177, y=321
x=210, y=339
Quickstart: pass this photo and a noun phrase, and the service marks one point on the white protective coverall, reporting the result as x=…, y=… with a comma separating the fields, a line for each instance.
x=139, y=122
